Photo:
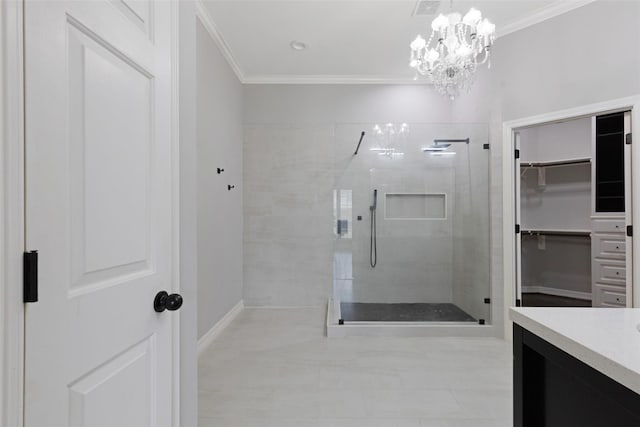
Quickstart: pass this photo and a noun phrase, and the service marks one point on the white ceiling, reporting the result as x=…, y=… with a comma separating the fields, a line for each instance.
x=348, y=41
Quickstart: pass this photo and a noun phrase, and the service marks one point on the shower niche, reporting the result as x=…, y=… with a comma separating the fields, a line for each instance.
x=411, y=226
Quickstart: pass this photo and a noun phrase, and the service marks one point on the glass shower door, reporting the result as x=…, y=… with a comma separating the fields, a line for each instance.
x=411, y=227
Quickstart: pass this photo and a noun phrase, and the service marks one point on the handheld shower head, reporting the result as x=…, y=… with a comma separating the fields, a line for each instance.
x=373, y=237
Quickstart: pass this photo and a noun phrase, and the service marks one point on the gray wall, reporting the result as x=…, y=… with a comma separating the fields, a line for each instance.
x=327, y=104
x=588, y=55
x=219, y=211
x=287, y=239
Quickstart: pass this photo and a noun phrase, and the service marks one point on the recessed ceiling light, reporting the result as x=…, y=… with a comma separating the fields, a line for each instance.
x=297, y=45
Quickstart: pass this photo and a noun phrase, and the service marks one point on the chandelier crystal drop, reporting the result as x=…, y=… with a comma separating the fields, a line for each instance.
x=455, y=48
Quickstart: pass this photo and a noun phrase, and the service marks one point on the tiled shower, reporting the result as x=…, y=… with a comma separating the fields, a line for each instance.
x=432, y=222
x=308, y=201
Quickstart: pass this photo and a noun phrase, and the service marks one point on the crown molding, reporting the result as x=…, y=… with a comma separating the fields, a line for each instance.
x=275, y=79
x=202, y=13
x=554, y=9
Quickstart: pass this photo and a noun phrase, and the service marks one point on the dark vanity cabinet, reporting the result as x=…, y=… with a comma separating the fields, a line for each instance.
x=554, y=389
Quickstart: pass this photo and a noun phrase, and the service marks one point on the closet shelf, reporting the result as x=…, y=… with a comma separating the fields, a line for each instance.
x=555, y=232
x=552, y=163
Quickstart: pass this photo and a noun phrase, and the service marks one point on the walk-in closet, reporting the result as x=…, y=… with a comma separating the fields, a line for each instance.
x=572, y=202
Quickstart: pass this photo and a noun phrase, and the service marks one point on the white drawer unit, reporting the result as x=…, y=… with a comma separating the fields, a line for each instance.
x=608, y=272
x=608, y=265
x=608, y=225
x=609, y=246
x=609, y=296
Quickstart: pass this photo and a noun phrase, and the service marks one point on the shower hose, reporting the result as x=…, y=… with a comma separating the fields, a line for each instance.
x=373, y=243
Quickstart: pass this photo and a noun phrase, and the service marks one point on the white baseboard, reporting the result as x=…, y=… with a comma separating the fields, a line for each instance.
x=206, y=340
x=556, y=292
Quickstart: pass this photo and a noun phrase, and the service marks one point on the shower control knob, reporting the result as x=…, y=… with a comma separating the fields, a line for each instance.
x=163, y=301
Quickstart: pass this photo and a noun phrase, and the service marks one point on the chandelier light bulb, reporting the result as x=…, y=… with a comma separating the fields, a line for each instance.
x=472, y=17
x=486, y=28
x=440, y=23
x=418, y=43
x=450, y=56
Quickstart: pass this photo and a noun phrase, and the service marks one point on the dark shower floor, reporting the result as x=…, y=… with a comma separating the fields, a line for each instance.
x=402, y=312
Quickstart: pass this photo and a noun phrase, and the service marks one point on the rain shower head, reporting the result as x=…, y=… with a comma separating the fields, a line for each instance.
x=440, y=145
x=450, y=141
x=436, y=148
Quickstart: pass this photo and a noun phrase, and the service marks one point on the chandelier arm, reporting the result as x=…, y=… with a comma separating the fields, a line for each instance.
x=486, y=56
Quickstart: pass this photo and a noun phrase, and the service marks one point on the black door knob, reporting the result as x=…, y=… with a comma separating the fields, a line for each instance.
x=163, y=301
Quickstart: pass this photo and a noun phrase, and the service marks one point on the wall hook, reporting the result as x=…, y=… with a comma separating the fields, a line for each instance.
x=229, y=187
x=220, y=170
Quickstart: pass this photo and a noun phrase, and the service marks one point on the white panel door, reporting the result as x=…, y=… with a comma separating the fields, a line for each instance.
x=99, y=212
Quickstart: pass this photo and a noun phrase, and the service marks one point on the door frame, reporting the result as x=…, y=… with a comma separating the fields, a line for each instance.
x=12, y=212
x=508, y=188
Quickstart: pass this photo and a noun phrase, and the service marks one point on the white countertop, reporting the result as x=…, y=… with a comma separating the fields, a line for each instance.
x=607, y=339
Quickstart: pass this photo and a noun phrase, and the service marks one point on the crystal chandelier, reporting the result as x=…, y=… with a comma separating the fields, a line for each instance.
x=456, y=46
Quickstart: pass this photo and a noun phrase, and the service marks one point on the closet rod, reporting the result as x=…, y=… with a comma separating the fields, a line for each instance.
x=585, y=233
x=554, y=163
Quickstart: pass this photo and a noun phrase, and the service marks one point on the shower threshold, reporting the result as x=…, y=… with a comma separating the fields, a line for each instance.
x=402, y=320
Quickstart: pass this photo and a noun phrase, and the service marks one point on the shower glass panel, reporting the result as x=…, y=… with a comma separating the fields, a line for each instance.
x=411, y=223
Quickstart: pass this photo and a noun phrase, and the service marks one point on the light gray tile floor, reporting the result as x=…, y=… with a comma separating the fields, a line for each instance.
x=275, y=368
